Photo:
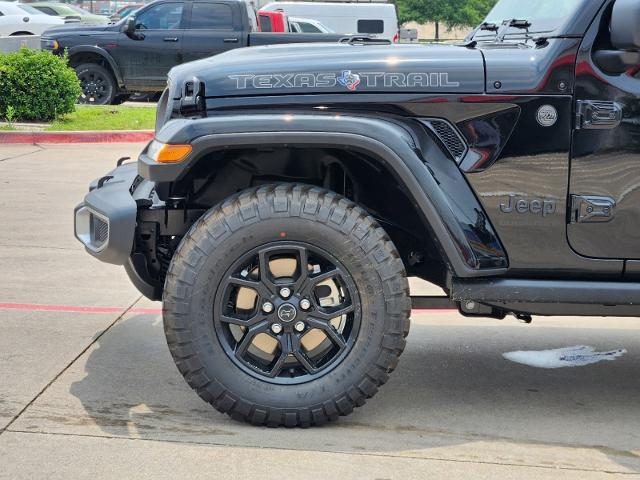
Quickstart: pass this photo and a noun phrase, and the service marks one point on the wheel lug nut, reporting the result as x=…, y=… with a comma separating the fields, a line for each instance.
x=285, y=292
x=305, y=304
x=267, y=307
x=299, y=326
x=276, y=328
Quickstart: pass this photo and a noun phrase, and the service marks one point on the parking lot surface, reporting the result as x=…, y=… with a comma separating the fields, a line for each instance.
x=88, y=388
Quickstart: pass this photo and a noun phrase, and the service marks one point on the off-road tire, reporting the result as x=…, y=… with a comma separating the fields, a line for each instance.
x=250, y=219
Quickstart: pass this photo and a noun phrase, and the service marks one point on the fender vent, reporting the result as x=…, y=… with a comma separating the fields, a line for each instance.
x=449, y=136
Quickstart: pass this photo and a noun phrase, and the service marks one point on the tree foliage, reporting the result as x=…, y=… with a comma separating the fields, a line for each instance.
x=452, y=13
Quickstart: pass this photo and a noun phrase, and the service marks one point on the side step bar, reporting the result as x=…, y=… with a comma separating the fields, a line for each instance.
x=432, y=303
x=509, y=291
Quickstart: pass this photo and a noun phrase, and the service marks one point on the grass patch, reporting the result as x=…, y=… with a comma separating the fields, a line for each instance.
x=108, y=117
x=6, y=128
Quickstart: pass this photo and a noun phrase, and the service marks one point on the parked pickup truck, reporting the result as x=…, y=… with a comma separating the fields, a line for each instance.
x=135, y=54
x=290, y=191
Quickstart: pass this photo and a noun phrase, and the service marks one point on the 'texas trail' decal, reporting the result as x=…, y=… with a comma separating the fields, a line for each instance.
x=351, y=81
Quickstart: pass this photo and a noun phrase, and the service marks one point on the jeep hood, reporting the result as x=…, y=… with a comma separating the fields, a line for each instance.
x=334, y=68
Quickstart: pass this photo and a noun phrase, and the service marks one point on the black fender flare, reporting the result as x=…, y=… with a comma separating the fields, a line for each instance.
x=448, y=206
x=104, y=54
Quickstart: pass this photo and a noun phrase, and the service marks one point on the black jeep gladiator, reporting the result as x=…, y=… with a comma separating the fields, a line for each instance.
x=289, y=193
x=135, y=54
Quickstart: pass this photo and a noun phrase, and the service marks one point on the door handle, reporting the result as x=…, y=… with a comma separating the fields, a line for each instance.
x=230, y=40
x=170, y=39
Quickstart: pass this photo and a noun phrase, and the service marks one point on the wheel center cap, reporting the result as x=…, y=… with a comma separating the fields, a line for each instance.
x=287, y=312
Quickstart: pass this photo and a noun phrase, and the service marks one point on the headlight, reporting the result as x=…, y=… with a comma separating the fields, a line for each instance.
x=49, y=44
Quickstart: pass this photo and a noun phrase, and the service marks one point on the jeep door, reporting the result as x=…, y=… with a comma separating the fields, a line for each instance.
x=146, y=56
x=605, y=166
x=213, y=27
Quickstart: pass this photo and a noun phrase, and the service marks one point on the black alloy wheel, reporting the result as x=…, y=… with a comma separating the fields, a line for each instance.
x=300, y=323
x=97, y=84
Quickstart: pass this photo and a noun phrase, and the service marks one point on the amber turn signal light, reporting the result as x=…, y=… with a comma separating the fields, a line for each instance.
x=168, y=153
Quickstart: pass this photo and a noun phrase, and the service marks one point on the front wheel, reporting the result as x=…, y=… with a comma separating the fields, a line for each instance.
x=97, y=84
x=286, y=305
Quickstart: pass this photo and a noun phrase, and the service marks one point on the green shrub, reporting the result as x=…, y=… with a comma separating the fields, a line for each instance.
x=37, y=85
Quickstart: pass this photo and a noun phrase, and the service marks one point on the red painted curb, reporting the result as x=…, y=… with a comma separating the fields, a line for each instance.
x=77, y=137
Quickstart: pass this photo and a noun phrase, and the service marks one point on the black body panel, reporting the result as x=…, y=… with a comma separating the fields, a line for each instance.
x=525, y=70
x=606, y=160
x=533, y=167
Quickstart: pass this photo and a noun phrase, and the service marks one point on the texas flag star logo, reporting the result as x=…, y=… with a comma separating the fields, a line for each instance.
x=349, y=80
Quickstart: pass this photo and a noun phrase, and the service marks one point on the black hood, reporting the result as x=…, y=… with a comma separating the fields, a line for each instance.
x=79, y=29
x=335, y=68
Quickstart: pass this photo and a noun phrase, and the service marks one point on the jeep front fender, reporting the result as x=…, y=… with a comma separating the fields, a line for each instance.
x=448, y=207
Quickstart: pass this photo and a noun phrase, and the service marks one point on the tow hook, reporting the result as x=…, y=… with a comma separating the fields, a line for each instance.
x=104, y=179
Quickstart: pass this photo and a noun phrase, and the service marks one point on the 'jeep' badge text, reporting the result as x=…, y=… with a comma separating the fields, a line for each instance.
x=536, y=206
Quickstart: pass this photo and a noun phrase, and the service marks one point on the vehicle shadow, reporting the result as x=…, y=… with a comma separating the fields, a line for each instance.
x=452, y=388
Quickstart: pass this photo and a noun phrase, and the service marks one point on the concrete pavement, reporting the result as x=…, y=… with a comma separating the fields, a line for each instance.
x=97, y=394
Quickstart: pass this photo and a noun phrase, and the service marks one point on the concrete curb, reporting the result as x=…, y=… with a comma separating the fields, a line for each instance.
x=77, y=137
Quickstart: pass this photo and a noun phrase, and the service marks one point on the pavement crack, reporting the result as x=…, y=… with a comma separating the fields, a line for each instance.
x=332, y=452
x=39, y=148
x=74, y=360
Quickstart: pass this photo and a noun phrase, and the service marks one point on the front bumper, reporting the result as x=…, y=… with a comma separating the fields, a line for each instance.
x=105, y=221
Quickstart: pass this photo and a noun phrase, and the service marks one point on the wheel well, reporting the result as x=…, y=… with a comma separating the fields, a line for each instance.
x=15, y=34
x=90, y=57
x=356, y=175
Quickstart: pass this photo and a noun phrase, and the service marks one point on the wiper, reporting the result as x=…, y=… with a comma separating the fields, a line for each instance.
x=516, y=23
x=492, y=27
x=501, y=29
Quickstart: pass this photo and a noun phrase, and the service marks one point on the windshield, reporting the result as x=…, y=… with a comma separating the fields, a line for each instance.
x=543, y=15
x=127, y=11
x=31, y=10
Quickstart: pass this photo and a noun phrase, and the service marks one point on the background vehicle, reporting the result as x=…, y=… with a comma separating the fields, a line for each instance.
x=273, y=22
x=18, y=19
x=277, y=21
x=68, y=12
x=290, y=191
x=125, y=12
x=135, y=54
x=307, y=25
x=375, y=19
